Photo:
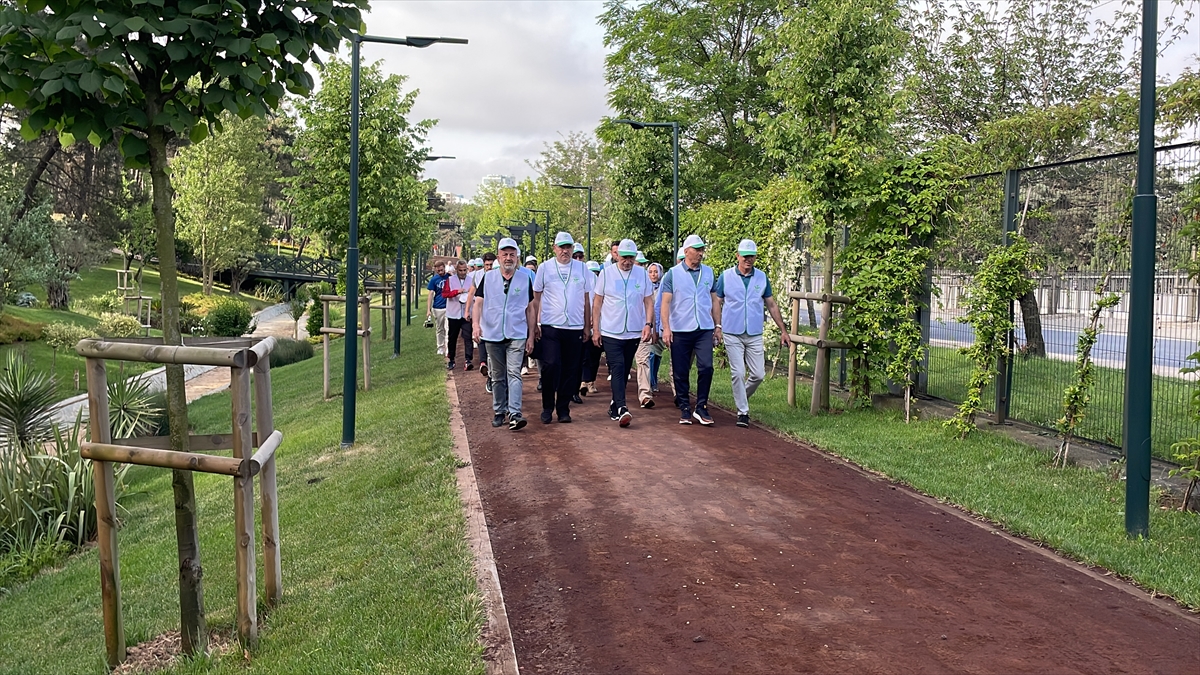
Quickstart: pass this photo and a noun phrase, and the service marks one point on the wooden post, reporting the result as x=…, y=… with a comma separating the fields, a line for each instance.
x=243, y=510
x=820, y=397
x=383, y=302
x=366, y=333
x=325, y=343
x=106, y=515
x=791, y=390
x=265, y=424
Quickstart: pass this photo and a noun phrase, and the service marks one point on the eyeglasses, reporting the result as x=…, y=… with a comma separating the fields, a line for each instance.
x=628, y=257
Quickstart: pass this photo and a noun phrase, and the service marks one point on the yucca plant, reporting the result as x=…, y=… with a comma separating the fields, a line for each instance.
x=27, y=399
x=133, y=410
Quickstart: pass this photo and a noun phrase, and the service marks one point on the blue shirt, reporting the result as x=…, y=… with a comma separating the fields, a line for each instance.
x=436, y=283
x=665, y=286
x=719, y=285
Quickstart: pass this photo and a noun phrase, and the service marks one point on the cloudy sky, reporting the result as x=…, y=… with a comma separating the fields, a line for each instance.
x=533, y=70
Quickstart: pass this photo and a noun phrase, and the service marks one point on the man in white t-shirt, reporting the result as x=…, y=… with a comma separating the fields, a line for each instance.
x=561, y=289
x=624, y=300
x=458, y=315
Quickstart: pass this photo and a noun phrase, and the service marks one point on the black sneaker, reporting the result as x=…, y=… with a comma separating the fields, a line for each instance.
x=685, y=415
x=547, y=416
x=483, y=370
x=450, y=366
x=743, y=421
x=613, y=414
x=498, y=420
x=583, y=390
x=575, y=399
x=648, y=403
x=469, y=366
x=623, y=416
x=702, y=416
x=487, y=386
x=565, y=418
x=516, y=421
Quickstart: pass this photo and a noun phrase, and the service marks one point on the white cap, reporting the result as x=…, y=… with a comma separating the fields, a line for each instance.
x=593, y=266
x=531, y=258
x=577, y=249
x=693, y=241
x=563, y=239
x=627, y=247
x=508, y=242
x=747, y=247
x=679, y=254
x=641, y=257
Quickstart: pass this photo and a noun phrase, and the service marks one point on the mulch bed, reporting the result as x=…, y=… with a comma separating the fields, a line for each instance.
x=664, y=548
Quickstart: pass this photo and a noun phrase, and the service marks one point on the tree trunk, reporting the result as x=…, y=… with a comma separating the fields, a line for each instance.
x=207, y=274
x=812, y=316
x=1035, y=344
x=58, y=294
x=193, y=625
x=820, y=396
x=35, y=177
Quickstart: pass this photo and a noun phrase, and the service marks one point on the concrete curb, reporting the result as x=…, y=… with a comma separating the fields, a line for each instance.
x=500, y=655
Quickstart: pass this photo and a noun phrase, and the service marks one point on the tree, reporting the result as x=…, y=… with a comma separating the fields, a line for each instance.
x=220, y=189
x=26, y=256
x=391, y=151
x=833, y=76
x=75, y=248
x=120, y=70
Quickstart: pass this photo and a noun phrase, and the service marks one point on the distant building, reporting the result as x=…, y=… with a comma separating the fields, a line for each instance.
x=497, y=179
x=451, y=198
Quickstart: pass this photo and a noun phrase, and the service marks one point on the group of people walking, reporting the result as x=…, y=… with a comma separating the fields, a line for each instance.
x=565, y=313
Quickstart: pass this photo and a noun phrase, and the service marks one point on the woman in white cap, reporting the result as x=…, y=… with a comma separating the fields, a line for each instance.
x=689, y=321
x=561, y=289
x=577, y=253
x=744, y=295
x=624, y=299
x=647, y=351
x=506, y=319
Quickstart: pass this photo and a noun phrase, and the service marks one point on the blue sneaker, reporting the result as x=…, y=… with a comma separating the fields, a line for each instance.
x=685, y=415
x=703, y=417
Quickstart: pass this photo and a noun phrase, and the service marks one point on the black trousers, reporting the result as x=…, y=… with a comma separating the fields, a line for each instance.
x=591, y=361
x=696, y=344
x=620, y=355
x=463, y=327
x=561, y=367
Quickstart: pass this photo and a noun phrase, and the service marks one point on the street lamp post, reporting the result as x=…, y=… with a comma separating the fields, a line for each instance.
x=548, y=235
x=589, y=213
x=350, y=363
x=674, y=174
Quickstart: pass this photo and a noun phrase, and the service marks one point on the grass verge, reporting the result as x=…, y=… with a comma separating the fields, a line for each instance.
x=376, y=570
x=1076, y=511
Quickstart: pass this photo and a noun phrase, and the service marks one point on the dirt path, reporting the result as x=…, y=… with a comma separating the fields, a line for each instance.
x=672, y=549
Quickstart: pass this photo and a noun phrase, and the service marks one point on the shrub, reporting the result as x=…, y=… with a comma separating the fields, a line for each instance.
x=198, y=303
x=289, y=351
x=97, y=305
x=190, y=322
x=113, y=325
x=133, y=410
x=228, y=317
x=27, y=399
x=316, y=312
x=64, y=336
x=15, y=329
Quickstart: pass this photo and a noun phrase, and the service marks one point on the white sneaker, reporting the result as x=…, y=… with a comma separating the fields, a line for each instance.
x=524, y=370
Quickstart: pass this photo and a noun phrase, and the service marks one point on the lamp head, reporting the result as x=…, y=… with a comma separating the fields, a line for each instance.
x=422, y=42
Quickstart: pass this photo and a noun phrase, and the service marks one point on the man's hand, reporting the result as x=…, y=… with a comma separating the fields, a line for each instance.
x=647, y=334
x=537, y=331
x=718, y=336
x=784, y=338
x=666, y=337
x=476, y=332
x=529, y=344
x=597, y=339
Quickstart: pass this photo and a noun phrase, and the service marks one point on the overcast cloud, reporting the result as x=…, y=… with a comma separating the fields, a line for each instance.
x=531, y=71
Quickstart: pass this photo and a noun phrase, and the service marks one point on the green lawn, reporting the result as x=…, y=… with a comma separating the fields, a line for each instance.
x=377, y=573
x=1076, y=511
x=1037, y=393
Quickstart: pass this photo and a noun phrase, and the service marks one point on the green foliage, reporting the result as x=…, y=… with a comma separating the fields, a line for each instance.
x=1001, y=279
x=21, y=564
x=228, y=317
x=27, y=398
x=1187, y=451
x=316, y=311
x=288, y=351
x=220, y=186
x=109, y=302
x=391, y=149
x=297, y=305
x=883, y=271
x=112, y=325
x=703, y=64
x=64, y=336
x=133, y=409
x=26, y=256
x=1077, y=396
x=15, y=329
x=99, y=71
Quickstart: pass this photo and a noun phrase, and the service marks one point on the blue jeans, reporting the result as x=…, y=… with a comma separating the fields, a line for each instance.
x=504, y=370
x=685, y=346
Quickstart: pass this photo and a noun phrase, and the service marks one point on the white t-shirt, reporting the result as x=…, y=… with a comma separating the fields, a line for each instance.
x=565, y=290
x=623, y=314
x=456, y=305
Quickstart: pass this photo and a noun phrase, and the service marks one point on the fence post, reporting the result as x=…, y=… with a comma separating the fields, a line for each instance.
x=243, y=510
x=1012, y=186
x=106, y=515
x=366, y=337
x=264, y=419
x=791, y=389
x=325, y=343
x=924, y=310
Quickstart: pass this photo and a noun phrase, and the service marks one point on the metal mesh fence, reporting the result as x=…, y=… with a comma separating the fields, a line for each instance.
x=1077, y=217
